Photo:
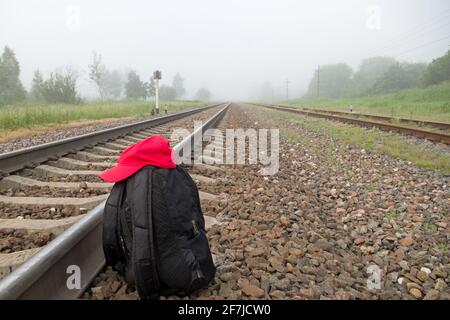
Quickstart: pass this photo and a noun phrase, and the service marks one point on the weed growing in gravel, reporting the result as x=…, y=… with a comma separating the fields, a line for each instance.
x=369, y=144
x=329, y=154
x=391, y=216
x=376, y=141
x=442, y=246
x=430, y=227
x=369, y=187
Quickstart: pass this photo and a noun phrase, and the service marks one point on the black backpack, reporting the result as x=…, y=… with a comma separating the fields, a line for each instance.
x=154, y=233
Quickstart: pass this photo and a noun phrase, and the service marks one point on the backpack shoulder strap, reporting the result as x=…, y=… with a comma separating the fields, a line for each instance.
x=112, y=246
x=144, y=249
x=195, y=193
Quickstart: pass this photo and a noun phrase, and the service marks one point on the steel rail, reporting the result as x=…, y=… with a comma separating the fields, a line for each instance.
x=16, y=160
x=46, y=274
x=439, y=125
x=423, y=134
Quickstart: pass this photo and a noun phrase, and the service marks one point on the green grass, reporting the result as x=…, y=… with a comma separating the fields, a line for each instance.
x=391, y=216
x=29, y=115
x=376, y=141
x=430, y=227
x=431, y=103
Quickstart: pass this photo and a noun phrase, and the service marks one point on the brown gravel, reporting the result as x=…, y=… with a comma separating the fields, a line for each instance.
x=30, y=174
x=9, y=211
x=12, y=240
x=50, y=192
x=312, y=230
x=59, y=134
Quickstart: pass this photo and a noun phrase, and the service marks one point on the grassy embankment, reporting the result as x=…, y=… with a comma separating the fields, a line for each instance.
x=24, y=118
x=431, y=103
x=373, y=139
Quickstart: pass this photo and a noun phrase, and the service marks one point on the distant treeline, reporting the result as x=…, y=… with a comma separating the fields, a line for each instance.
x=375, y=76
x=61, y=86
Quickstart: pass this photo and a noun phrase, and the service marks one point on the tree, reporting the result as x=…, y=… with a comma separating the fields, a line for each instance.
x=203, y=94
x=36, y=86
x=113, y=84
x=11, y=89
x=97, y=74
x=399, y=77
x=167, y=93
x=333, y=81
x=135, y=88
x=60, y=87
x=369, y=71
x=151, y=87
x=438, y=70
x=178, y=85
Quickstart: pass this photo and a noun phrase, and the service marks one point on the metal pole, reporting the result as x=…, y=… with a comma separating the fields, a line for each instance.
x=157, y=95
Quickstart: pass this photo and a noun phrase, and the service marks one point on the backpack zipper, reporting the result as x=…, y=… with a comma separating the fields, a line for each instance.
x=196, y=231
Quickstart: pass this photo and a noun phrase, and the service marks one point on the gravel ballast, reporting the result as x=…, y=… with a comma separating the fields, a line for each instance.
x=322, y=225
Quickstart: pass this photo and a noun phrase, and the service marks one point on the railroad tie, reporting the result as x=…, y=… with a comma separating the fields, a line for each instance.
x=50, y=171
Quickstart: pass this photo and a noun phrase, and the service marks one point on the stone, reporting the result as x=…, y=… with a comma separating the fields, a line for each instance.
x=324, y=244
x=284, y=220
x=422, y=276
x=292, y=259
x=226, y=289
x=411, y=285
x=406, y=242
x=257, y=252
x=432, y=294
x=277, y=294
x=253, y=291
x=115, y=286
x=295, y=251
x=416, y=293
x=97, y=293
x=440, y=285
x=83, y=185
x=342, y=244
x=227, y=276
x=341, y=294
x=312, y=248
x=307, y=293
x=426, y=270
x=359, y=241
x=404, y=265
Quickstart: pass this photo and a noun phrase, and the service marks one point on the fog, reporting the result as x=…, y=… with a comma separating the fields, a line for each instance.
x=231, y=47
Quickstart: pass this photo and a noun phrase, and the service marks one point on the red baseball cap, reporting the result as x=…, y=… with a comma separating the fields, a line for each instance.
x=155, y=151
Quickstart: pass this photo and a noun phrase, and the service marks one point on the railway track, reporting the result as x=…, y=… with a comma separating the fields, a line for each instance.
x=59, y=225
x=416, y=122
x=434, y=136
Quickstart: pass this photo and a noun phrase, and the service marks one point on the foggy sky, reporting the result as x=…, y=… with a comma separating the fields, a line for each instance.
x=229, y=46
